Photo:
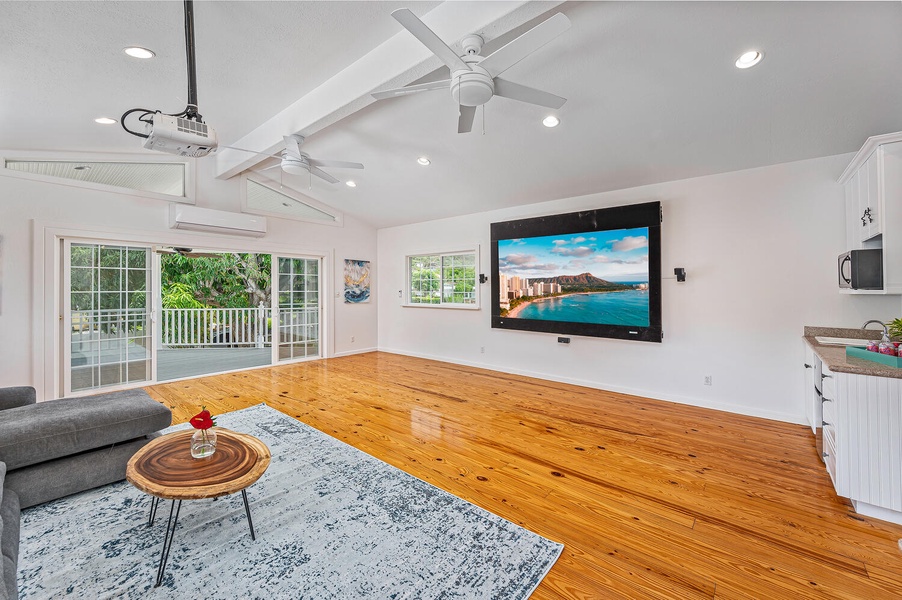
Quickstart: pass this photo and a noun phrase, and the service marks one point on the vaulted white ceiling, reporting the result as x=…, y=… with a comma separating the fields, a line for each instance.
x=653, y=93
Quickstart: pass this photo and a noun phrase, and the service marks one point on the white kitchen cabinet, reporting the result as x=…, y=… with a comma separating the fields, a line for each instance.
x=862, y=441
x=873, y=196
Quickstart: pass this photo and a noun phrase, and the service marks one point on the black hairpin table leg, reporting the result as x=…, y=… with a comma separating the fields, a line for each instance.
x=154, y=503
x=247, y=510
x=167, y=541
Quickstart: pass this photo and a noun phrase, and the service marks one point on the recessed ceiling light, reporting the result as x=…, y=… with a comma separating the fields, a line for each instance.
x=423, y=161
x=551, y=121
x=138, y=52
x=351, y=183
x=104, y=120
x=749, y=59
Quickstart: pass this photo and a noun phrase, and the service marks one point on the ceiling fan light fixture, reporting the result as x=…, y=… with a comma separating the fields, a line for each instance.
x=294, y=168
x=749, y=59
x=351, y=183
x=551, y=121
x=105, y=121
x=423, y=161
x=139, y=52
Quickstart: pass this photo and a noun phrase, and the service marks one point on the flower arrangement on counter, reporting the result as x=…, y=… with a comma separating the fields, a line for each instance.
x=886, y=345
x=895, y=328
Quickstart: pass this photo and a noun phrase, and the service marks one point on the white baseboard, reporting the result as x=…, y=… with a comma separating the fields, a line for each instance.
x=352, y=352
x=699, y=402
x=878, y=512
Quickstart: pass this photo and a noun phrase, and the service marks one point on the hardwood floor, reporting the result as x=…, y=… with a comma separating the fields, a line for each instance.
x=651, y=499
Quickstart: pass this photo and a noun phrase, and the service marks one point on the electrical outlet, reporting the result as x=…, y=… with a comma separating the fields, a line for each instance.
x=352, y=339
x=708, y=380
x=482, y=349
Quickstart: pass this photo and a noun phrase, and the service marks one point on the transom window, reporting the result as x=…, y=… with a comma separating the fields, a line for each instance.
x=445, y=280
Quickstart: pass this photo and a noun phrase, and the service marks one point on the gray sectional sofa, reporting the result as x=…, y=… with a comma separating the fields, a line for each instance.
x=52, y=449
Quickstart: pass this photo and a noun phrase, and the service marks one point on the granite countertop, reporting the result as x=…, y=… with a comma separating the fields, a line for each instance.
x=835, y=359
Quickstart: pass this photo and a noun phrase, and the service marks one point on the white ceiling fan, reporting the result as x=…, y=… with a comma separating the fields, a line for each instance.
x=475, y=79
x=295, y=162
x=184, y=252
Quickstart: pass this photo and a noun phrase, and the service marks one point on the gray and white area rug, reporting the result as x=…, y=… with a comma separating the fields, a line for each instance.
x=331, y=522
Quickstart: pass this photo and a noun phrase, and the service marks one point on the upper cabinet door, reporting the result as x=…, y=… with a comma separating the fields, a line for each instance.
x=869, y=197
x=875, y=193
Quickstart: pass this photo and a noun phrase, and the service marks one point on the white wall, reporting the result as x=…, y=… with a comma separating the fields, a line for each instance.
x=29, y=208
x=759, y=248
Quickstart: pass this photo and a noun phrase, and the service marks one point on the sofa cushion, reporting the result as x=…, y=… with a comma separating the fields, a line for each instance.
x=56, y=428
x=9, y=542
x=14, y=397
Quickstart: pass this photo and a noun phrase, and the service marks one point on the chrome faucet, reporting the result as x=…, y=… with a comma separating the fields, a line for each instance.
x=881, y=323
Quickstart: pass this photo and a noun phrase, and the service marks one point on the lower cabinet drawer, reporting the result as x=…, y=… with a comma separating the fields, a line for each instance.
x=828, y=411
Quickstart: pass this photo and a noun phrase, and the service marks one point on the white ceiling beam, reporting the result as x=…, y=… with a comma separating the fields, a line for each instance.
x=396, y=62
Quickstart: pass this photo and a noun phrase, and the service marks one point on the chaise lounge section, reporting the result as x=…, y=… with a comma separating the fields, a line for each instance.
x=52, y=449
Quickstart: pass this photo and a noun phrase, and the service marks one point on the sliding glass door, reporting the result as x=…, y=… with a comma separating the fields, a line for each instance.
x=111, y=338
x=108, y=337
x=297, y=308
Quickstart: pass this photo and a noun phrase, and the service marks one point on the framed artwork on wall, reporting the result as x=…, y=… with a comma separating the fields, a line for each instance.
x=357, y=281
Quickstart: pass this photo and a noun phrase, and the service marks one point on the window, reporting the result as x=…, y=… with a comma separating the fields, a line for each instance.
x=259, y=196
x=447, y=280
x=169, y=179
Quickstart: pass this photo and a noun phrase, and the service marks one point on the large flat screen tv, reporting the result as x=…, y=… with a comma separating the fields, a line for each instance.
x=594, y=273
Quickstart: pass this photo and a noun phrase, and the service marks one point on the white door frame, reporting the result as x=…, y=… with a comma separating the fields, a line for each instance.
x=47, y=268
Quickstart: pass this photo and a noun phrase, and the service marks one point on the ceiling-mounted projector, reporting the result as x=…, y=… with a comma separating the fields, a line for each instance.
x=181, y=136
x=184, y=133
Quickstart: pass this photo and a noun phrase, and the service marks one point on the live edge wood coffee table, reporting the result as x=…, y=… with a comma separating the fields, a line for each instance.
x=165, y=469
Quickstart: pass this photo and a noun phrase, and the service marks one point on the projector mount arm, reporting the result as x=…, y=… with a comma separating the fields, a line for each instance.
x=190, y=111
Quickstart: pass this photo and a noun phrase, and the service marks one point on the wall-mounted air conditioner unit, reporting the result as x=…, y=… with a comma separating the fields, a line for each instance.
x=183, y=216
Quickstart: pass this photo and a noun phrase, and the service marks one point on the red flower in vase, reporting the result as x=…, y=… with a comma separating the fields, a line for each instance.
x=202, y=420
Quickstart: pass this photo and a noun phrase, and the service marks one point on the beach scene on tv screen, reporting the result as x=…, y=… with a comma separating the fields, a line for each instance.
x=594, y=277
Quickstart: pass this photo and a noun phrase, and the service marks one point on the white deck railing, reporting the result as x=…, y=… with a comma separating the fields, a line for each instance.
x=216, y=327
x=230, y=327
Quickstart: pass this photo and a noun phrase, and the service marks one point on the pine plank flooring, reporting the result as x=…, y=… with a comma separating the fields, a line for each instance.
x=651, y=499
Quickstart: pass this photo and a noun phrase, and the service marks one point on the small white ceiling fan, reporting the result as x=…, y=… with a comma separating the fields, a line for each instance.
x=475, y=79
x=295, y=162
x=185, y=252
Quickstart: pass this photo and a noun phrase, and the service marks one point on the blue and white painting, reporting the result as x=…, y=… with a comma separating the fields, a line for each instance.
x=357, y=281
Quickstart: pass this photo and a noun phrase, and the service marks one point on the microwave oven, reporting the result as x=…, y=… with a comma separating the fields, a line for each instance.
x=861, y=269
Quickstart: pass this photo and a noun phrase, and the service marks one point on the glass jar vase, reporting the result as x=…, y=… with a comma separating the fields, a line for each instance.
x=203, y=443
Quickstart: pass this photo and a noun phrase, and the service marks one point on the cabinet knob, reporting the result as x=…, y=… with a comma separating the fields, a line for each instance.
x=826, y=376
x=824, y=455
x=807, y=366
x=826, y=424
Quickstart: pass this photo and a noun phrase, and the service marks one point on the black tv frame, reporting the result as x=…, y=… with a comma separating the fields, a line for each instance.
x=603, y=219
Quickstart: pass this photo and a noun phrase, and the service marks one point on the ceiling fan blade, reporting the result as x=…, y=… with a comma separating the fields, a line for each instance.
x=427, y=37
x=335, y=164
x=412, y=89
x=515, y=91
x=507, y=56
x=322, y=174
x=465, y=122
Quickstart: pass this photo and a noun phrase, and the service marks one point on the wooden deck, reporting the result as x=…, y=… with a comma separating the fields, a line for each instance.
x=651, y=499
x=177, y=363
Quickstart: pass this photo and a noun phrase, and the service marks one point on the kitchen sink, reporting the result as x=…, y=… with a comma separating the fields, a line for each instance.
x=836, y=341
